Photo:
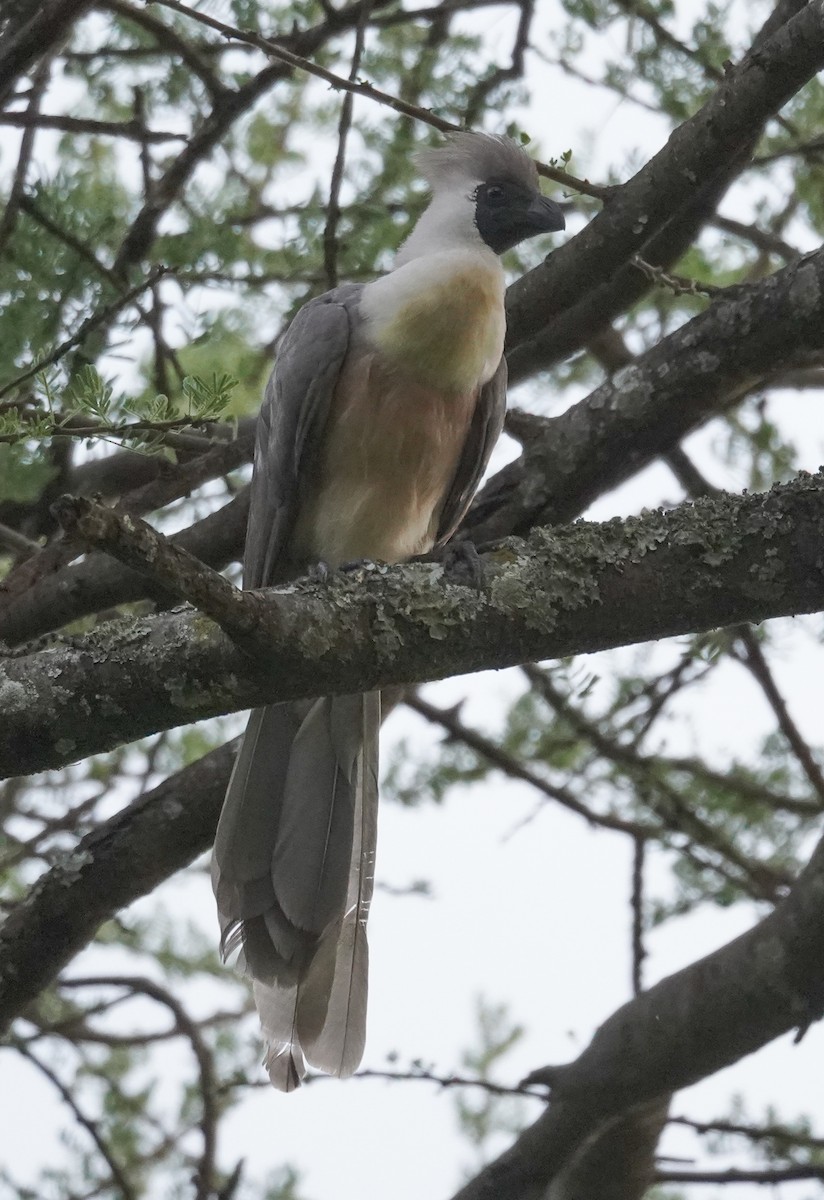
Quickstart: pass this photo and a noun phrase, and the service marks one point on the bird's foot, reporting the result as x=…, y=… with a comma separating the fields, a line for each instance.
x=462, y=564
x=319, y=572
x=358, y=564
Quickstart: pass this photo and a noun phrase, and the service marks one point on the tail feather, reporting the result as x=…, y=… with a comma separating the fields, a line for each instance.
x=333, y=1033
x=246, y=832
x=284, y=1059
x=293, y=873
x=316, y=819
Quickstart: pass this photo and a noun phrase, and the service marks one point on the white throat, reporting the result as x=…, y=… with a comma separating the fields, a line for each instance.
x=447, y=223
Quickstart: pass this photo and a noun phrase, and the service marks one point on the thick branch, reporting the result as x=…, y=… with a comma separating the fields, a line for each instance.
x=582, y=588
x=688, y=1026
x=697, y=151
x=746, y=335
x=142, y=548
x=778, y=323
x=40, y=26
x=607, y=298
x=618, y=1164
x=125, y=858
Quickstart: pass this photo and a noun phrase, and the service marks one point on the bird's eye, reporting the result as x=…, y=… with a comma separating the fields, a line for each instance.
x=495, y=194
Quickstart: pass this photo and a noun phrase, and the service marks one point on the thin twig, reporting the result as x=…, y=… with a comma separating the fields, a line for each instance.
x=101, y=317
x=204, y=1177
x=480, y=94
x=489, y=750
x=754, y=1133
x=679, y=285
x=330, y=231
x=18, y=186
x=176, y=45
x=756, y=664
x=123, y=129
x=752, y=656
x=637, y=903
x=768, y=1177
x=361, y=88
x=757, y=878
x=118, y=1177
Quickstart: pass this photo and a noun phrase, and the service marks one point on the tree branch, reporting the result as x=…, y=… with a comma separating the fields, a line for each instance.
x=567, y=461
x=769, y=1176
x=698, y=151
x=690, y=1025
x=125, y=129
x=578, y=589
x=618, y=1164
x=99, y=582
x=743, y=337
x=357, y=87
x=22, y=42
x=124, y=859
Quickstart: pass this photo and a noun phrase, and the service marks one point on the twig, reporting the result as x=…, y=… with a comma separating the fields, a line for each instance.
x=756, y=664
x=80, y=248
x=118, y=1178
x=172, y=42
x=769, y=1177
x=754, y=1133
x=757, y=878
x=813, y=147
x=361, y=88
x=17, y=542
x=81, y=426
x=330, y=231
x=489, y=750
x=752, y=656
x=189, y=1029
x=762, y=239
x=101, y=317
x=124, y=129
x=678, y=284
x=423, y=1075
x=483, y=89
x=9, y=218
x=638, y=951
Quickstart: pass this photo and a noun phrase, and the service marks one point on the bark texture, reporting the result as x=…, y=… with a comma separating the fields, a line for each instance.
x=585, y=587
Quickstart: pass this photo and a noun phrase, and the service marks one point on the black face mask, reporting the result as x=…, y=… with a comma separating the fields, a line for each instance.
x=507, y=213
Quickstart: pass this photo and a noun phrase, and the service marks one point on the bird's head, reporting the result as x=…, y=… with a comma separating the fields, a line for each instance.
x=484, y=188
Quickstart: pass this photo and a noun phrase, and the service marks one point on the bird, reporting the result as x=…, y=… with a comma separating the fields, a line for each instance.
x=376, y=427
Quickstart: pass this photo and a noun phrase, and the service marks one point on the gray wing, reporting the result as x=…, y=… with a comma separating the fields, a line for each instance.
x=294, y=851
x=294, y=410
x=484, y=431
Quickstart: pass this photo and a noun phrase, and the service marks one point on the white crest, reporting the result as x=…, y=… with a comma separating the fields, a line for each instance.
x=476, y=157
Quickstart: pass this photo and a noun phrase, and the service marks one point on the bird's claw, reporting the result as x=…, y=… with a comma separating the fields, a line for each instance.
x=319, y=572
x=462, y=564
x=357, y=564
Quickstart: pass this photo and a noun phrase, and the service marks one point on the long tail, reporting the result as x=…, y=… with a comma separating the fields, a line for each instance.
x=293, y=871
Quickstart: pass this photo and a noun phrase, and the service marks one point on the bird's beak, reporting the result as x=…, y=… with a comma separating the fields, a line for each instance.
x=545, y=216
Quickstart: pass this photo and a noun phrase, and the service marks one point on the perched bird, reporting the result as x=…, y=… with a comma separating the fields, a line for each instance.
x=376, y=427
